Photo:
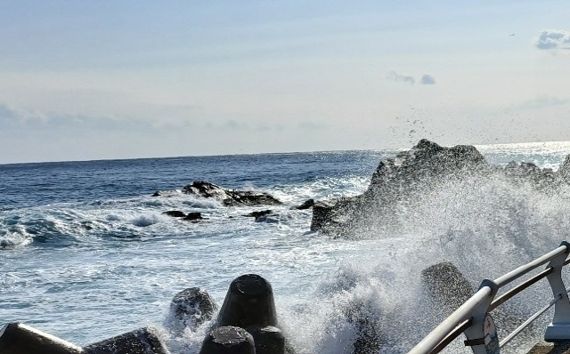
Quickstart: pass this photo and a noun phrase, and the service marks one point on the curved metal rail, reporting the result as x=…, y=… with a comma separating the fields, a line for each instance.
x=472, y=318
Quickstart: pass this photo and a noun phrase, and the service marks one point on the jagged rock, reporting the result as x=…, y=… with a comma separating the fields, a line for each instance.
x=229, y=197
x=306, y=205
x=194, y=217
x=445, y=284
x=175, y=213
x=156, y=194
x=401, y=181
x=191, y=307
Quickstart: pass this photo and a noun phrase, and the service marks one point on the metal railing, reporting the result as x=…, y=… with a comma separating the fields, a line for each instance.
x=473, y=319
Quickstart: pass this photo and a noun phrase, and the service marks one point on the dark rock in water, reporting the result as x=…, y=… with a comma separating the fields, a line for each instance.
x=259, y=213
x=306, y=205
x=229, y=197
x=228, y=340
x=156, y=194
x=194, y=217
x=263, y=216
x=141, y=341
x=17, y=338
x=175, y=213
x=445, y=284
x=193, y=306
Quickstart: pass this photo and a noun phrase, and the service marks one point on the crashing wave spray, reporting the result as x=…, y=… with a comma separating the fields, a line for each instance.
x=429, y=205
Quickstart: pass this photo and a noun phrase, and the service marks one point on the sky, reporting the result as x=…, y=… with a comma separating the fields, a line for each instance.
x=83, y=80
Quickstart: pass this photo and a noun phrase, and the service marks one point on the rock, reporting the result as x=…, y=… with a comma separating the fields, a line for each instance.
x=270, y=219
x=228, y=340
x=18, y=338
x=192, y=307
x=141, y=341
x=445, y=284
x=264, y=216
x=306, y=205
x=194, y=217
x=229, y=197
x=400, y=183
x=259, y=213
x=175, y=213
x=156, y=194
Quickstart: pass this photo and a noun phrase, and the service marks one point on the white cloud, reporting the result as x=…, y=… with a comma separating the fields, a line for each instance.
x=394, y=76
x=553, y=39
x=427, y=80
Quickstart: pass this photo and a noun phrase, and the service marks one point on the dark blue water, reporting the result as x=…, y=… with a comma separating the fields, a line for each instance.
x=26, y=185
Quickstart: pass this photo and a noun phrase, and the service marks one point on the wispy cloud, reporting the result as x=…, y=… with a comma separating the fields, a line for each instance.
x=425, y=79
x=394, y=76
x=542, y=102
x=553, y=39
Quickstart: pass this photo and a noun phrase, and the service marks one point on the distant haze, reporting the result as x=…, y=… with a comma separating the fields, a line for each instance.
x=115, y=79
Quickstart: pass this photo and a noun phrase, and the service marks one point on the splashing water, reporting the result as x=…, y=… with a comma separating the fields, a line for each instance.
x=112, y=257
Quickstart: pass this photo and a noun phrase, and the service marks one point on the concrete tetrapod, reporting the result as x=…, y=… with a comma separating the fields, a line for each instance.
x=228, y=340
x=141, y=341
x=249, y=304
x=18, y=338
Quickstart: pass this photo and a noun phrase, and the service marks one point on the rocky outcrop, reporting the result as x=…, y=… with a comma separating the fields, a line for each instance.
x=399, y=182
x=229, y=197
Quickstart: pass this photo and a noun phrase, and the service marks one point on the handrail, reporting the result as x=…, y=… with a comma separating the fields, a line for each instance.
x=463, y=313
x=524, y=269
x=472, y=317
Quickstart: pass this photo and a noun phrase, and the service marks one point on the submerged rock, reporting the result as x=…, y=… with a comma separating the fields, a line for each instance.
x=259, y=213
x=194, y=216
x=192, y=307
x=229, y=197
x=264, y=216
x=175, y=213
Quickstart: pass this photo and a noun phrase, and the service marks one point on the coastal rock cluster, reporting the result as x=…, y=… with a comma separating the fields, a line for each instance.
x=400, y=181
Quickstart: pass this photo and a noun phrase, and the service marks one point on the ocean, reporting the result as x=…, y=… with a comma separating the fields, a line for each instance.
x=86, y=252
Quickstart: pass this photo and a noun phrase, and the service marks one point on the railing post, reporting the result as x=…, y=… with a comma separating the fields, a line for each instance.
x=478, y=339
x=559, y=329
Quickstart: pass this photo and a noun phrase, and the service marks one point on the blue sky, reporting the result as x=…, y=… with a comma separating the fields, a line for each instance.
x=115, y=79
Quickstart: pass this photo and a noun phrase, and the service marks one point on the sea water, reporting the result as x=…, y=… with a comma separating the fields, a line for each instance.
x=87, y=253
